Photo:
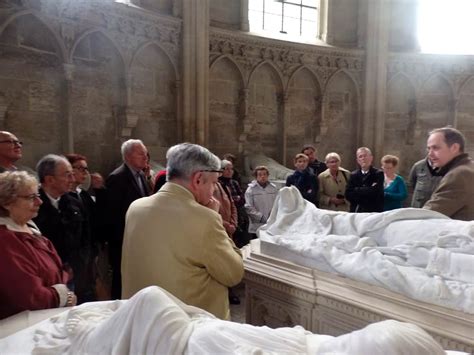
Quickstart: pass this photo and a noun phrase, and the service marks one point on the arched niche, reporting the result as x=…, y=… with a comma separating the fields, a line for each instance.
x=341, y=107
x=465, y=113
x=153, y=98
x=225, y=121
x=97, y=99
x=436, y=103
x=304, y=111
x=265, y=112
x=400, y=121
x=31, y=79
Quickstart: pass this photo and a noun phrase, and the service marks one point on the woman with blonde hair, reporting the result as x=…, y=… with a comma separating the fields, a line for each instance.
x=32, y=274
x=332, y=185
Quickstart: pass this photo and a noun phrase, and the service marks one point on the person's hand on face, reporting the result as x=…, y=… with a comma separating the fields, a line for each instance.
x=213, y=204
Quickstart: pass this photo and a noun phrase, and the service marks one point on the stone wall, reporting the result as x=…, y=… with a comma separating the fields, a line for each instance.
x=86, y=75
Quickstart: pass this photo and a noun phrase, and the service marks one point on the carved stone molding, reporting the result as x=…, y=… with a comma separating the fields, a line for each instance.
x=129, y=27
x=249, y=51
x=420, y=67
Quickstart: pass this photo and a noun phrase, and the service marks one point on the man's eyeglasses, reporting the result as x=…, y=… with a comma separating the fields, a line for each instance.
x=31, y=197
x=12, y=141
x=82, y=169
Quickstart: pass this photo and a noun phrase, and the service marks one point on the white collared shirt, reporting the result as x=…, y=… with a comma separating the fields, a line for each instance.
x=54, y=201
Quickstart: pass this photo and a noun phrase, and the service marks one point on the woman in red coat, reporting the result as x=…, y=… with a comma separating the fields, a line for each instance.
x=32, y=275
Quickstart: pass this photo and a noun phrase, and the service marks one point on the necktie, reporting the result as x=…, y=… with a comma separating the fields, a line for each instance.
x=140, y=184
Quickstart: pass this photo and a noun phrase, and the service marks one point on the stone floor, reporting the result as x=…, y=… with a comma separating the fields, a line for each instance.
x=237, y=311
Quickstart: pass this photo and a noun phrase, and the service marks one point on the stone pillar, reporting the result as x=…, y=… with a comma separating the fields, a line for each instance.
x=67, y=129
x=372, y=125
x=244, y=15
x=244, y=118
x=179, y=109
x=196, y=70
x=285, y=109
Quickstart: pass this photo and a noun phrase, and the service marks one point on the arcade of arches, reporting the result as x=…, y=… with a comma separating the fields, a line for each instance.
x=84, y=75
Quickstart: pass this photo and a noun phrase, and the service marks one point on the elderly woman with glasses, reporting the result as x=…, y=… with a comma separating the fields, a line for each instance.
x=32, y=275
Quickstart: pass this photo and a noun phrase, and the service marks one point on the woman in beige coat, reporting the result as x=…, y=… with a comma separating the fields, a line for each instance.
x=332, y=184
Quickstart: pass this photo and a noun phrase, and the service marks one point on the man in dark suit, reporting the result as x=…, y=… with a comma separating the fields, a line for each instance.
x=62, y=219
x=365, y=186
x=124, y=185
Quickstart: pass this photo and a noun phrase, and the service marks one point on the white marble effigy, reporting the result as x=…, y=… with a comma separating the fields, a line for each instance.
x=333, y=272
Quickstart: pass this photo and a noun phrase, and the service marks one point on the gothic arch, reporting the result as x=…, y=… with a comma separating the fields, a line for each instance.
x=226, y=85
x=62, y=52
x=465, y=84
x=154, y=97
x=340, y=119
x=302, y=110
x=230, y=59
x=89, y=33
x=443, y=78
x=304, y=67
x=350, y=76
x=401, y=76
x=274, y=69
x=161, y=49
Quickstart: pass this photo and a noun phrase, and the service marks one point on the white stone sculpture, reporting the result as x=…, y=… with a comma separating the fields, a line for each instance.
x=419, y=253
x=278, y=172
x=155, y=322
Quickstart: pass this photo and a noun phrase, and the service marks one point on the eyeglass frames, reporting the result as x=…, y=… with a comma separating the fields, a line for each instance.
x=31, y=197
x=12, y=141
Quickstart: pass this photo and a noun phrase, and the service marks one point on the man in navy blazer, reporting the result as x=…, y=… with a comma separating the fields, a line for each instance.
x=365, y=186
x=124, y=185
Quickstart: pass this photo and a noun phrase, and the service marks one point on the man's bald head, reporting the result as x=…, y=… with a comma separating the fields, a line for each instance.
x=10, y=149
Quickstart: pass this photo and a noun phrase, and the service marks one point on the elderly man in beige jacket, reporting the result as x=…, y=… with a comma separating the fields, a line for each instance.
x=175, y=239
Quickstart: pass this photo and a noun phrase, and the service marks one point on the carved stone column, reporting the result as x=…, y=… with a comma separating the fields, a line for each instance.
x=245, y=126
x=179, y=109
x=67, y=128
x=372, y=126
x=244, y=15
x=196, y=70
x=285, y=119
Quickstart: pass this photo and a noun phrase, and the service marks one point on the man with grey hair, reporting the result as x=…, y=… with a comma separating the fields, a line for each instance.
x=365, y=186
x=124, y=185
x=10, y=151
x=175, y=238
x=454, y=195
x=62, y=219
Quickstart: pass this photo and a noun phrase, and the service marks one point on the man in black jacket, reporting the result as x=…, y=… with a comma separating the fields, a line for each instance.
x=365, y=186
x=62, y=219
x=124, y=185
x=314, y=164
